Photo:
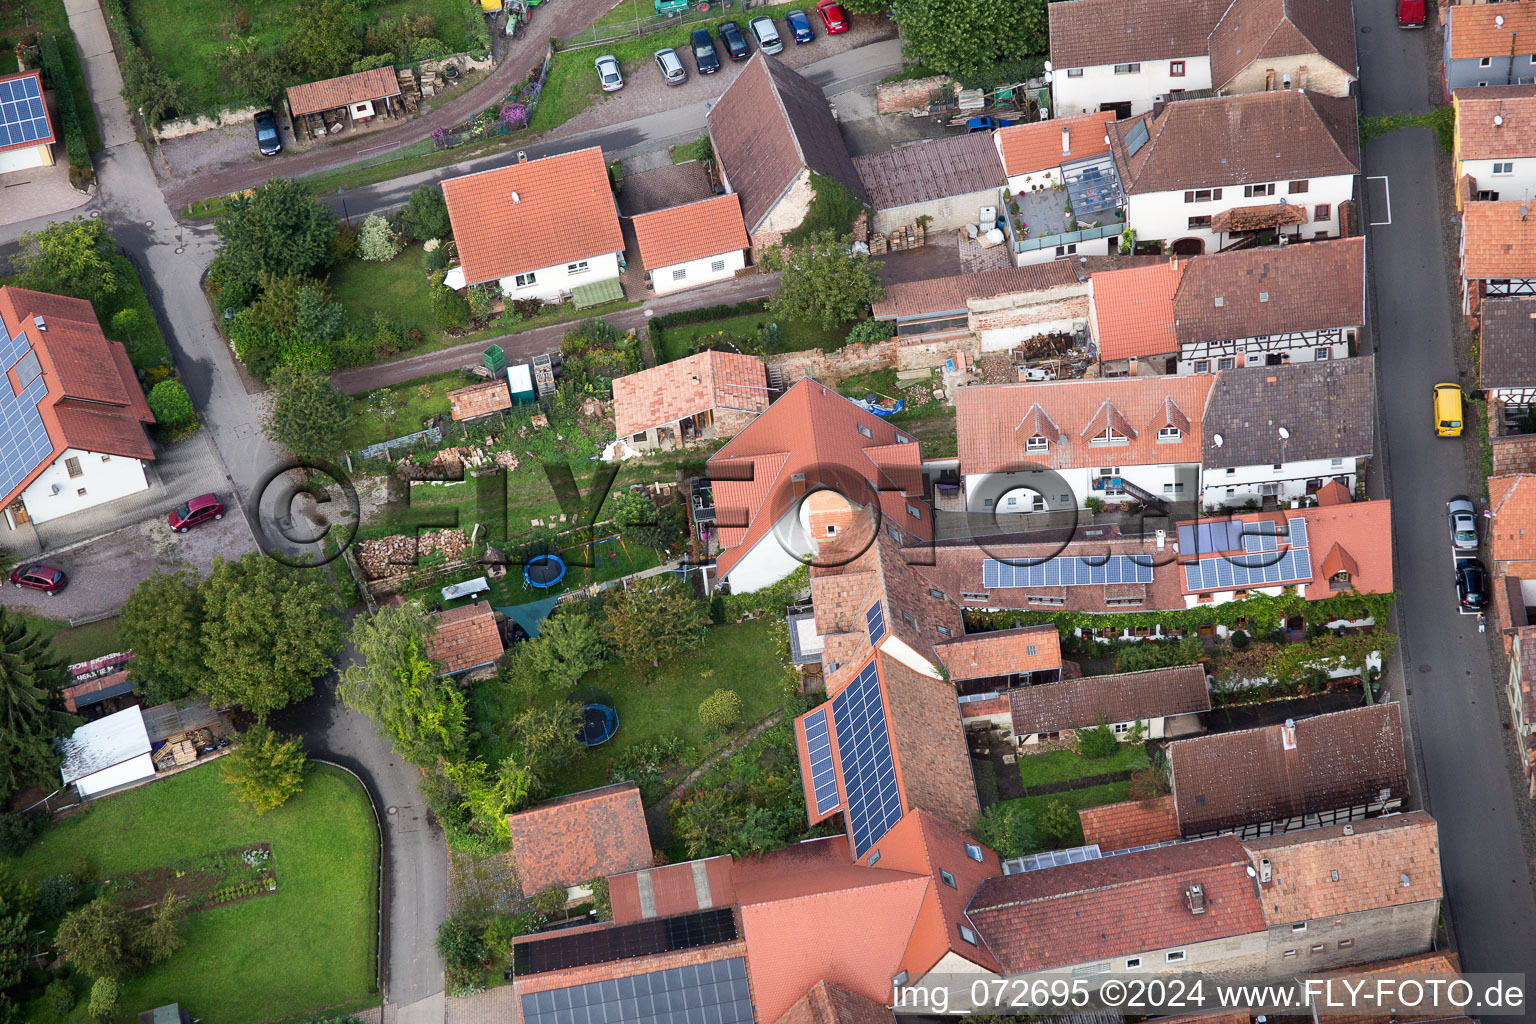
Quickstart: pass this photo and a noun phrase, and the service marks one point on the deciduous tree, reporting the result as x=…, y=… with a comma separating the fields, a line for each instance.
x=395, y=684
x=720, y=710
x=282, y=231
x=546, y=739
x=569, y=645
x=265, y=768
x=72, y=257
x=957, y=37
x=426, y=214
x=822, y=281
x=97, y=938
x=268, y=631
x=326, y=41
x=655, y=619
x=162, y=623
x=29, y=671
x=308, y=415
x=640, y=521
x=169, y=403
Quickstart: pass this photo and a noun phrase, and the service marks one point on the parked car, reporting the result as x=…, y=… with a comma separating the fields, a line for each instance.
x=672, y=70
x=268, y=143
x=1472, y=585
x=832, y=16
x=735, y=43
x=766, y=34
x=1448, y=410
x=986, y=124
x=704, y=56
x=608, y=72
x=198, y=510
x=799, y=26
x=1463, y=519
x=39, y=577
x=1411, y=13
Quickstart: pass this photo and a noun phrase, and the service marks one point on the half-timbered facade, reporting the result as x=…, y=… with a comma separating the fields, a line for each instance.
x=1498, y=253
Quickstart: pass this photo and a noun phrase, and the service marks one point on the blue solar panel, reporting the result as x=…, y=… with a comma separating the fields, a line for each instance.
x=24, y=442
x=1264, y=562
x=818, y=746
x=23, y=117
x=875, y=620
x=869, y=771
x=1071, y=571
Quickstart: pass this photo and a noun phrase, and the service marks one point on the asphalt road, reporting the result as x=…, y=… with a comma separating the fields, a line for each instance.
x=1450, y=688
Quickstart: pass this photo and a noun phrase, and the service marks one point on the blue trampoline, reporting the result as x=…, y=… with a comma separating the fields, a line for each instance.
x=543, y=571
x=599, y=723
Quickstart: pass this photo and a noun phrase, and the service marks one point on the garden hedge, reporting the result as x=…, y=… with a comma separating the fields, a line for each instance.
x=74, y=135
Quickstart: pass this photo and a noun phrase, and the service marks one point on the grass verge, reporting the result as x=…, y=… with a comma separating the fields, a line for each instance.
x=1076, y=800
x=794, y=335
x=146, y=345
x=1065, y=765
x=1441, y=120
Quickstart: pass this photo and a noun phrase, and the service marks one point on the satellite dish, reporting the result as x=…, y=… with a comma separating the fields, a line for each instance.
x=1498, y=119
x=1218, y=440
x=1284, y=201
x=1049, y=66
x=1498, y=21
x=1049, y=77
x=1285, y=435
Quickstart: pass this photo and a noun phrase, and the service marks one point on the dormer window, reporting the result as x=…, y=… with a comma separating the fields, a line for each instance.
x=1169, y=435
x=1037, y=444
x=1340, y=581
x=1109, y=436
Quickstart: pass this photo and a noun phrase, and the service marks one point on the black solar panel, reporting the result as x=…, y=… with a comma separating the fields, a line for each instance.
x=709, y=993
x=875, y=620
x=643, y=938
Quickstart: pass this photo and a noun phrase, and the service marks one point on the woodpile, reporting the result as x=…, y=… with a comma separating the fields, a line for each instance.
x=394, y=556
x=911, y=236
x=410, y=93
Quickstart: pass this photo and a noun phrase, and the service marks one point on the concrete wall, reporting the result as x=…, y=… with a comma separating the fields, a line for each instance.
x=1291, y=478
x=982, y=488
x=184, y=126
x=948, y=213
x=102, y=477
x=664, y=280
x=553, y=283
x=1310, y=71
x=1004, y=322
x=912, y=94
x=1099, y=84
x=1165, y=215
x=1371, y=935
x=1520, y=184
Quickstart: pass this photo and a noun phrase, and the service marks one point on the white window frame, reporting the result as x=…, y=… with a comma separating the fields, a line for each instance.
x=1485, y=62
x=1133, y=68
x=524, y=280
x=579, y=267
x=865, y=431
x=1175, y=956
x=1037, y=444
x=1169, y=435
x=1202, y=366
x=973, y=851
x=1258, y=191
x=1503, y=167
x=1319, y=354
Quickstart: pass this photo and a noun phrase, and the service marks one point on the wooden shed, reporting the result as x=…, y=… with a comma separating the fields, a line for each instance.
x=321, y=108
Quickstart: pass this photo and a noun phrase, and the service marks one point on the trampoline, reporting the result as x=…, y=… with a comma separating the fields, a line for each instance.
x=599, y=722
x=543, y=571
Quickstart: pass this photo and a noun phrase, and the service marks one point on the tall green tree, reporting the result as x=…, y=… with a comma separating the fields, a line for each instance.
x=655, y=619
x=308, y=415
x=569, y=645
x=326, y=40
x=426, y=214
x=395, y=684
x=546, y=739
x=282, y=231
x=960, y=37
x=491, y=795
x=157, y=936
x=13, y=944
x=30, y=672
x=72, y=257
x=265, y=769
x=162, y=623
x=98, y=938
x=822, y=280
x=642, y=522
x=268, y=631
x=147, y=86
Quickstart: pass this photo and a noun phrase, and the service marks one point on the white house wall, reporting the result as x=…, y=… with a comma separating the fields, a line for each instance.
x=130, y=771
x=1518, y=185
x=1165, y=215
x=1301, y=347
x=1098, y=84
x=763, y=566
x=665, y=280
x=1067, y=488
x=555, y=283
x=25, y=158
x=102, y=477
x=1241, y=483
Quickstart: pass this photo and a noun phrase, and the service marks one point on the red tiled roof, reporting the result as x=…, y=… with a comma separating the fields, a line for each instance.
x=1089, y=32
x=465, y=637
x=1363, y=531
x=1253, y=30
x=313, y=97
x=1425, y=965
x=951, y=294
x=1004, y=652
x=564, y=212
x=46, y=140
x=1133, y=903
x=1344, y=759
x=1133, y=310
x=1128, y=696
x=826, y=1003
x=671, y=889
x=1130, y=823
x=576, y=838
x=1512, y=530
x=708, y=227
x=1480, y=137
x=1497, y=242
x=479, y=399
x=989, y=419
x=685, y=387
x=1251, y=292
x=1344, y=869
x=1480, y=31
x=1037, y=147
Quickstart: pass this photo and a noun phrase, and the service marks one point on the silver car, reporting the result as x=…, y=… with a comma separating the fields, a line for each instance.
x=766, y=34
x=608, y=72
x=1463, y=518
x=672, y=70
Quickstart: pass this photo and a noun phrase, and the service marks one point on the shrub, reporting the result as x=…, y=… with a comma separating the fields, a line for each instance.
x=460, y=942
x=105, y=993
x=1007, y=828
x=61, y=995
x=435, y=258
x=602, y=904
x=1098, y=741
x=265, y=768
x=1238, y=639
x=527, y=308
x=1059, y=823
x=430, y=48
x=376, y=242
x=449, y=308
x=57, y=895
x=18, y=830
x=720, y=710
x=871, y=330
x=549, y=902
x=426, y=215
x=170, y=404
x=482, y=300
x=74, y=135
x=1149, y=783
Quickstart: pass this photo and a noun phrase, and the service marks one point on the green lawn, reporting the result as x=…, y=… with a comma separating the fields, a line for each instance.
x=423, y=398
x=655, y=704
x=308, y=947
x=933, y=423
x=186, y=38
x=794, y=335
x=79, y=643
x=1076, y=799
x=49, y=17
x=1062, y=765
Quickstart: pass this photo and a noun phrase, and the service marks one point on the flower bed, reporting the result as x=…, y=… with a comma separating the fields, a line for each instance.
x=215, y=879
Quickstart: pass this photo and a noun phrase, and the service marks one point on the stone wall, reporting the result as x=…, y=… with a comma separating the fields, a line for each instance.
x=912, y=94
x=1512, y=453
x=184, y=126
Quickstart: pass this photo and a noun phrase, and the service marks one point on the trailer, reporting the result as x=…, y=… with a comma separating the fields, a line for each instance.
x=520, y=381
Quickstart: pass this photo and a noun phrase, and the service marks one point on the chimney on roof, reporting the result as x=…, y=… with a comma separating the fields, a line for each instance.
x=1266, y=870
x=37, y=321
x=1194, y=898
x=1066, y=141
x=522, y=156
x=1288, y=734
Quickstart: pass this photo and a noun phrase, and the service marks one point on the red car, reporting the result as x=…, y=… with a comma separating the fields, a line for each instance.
x=1411, y=13
x=199, y=510
x=832, y=16
x=39, y=577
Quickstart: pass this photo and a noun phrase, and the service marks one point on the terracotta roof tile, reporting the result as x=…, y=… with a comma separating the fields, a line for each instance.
x=1497, y=242
x=921, y=843
x=1133, y=310
x=95, y=428
x=769, y=124
x=685, y=387
x=1327, y=409
x=1507, y=343
x=1480, y=137
x=479, y=399
x=1130, y=823
x=1252, y=30
x=708, y=227
x=314, y=97
x=1480, y=31
x=671, y=889
x=826, y=1003
x=1027, y=148
x=957, y=569
x=1125, y=697
x=1345, y=869
x=988, y=418
x=564, y=212
x=1088, y=32
x=933, y=762
x=578, y=837
x=1361, y=531
x=1132, y=903
x=1338, y=760
x=1001, y=653
x=1307, y=287
x=1512, y=531
x=950, y=294
x=466, y=637
x=1425, y=965
x=1229, y=140
x=1258, y=218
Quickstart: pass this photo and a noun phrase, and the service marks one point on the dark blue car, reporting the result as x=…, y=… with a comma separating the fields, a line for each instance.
x=799, y=26
x=735, y=43
x=704, y=56
x=986, y=124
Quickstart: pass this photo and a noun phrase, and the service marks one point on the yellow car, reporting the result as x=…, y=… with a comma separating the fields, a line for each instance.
x=1448, y=410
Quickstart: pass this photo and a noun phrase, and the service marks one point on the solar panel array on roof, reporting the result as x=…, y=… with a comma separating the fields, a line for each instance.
x=710, y=993
x=818, y=747
x=24, y=442
x=662, y=935
x=23, y=118
x=1136, y=138
x=1052, y=859
x=869, y=768
x=875, y=620
x=1263, y=562
x=1068, y=571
